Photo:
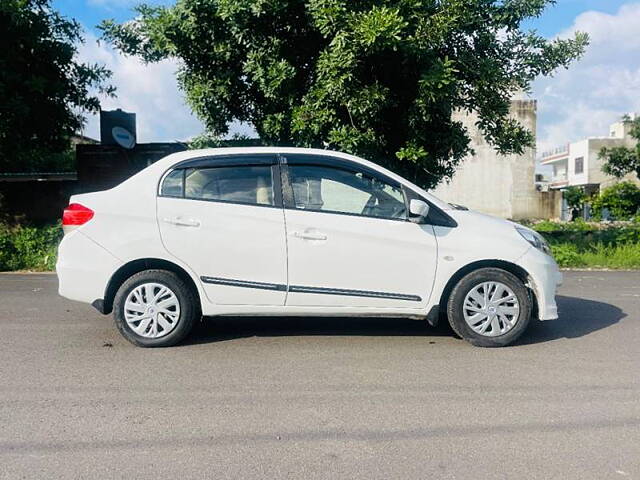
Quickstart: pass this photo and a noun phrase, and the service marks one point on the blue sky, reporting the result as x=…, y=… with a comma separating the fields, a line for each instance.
x=555, y=19
x=578, y=102
x=562, y=15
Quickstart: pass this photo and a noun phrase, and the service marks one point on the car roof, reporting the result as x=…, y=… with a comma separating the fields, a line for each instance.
x=226, y=151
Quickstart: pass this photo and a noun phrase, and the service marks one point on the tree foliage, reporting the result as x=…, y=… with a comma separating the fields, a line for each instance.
x=207, y=140
x=379, y=78
x=620, y=161
x=43, y=89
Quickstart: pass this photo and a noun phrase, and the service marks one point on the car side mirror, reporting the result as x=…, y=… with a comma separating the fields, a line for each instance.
x=419, y=209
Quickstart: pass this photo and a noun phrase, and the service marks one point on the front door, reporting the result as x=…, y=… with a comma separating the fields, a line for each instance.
x=350, y=243
x=223, y=217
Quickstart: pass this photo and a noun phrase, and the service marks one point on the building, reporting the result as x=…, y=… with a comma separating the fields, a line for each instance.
x=504, y=186
x=578, y=164
x=40, y=197
x=118, y=155
x=101, y=167
x=82, y=140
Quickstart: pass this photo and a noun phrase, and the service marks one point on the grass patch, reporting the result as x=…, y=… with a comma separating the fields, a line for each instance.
x=599, y=255
x=580, y=244
x=574, y=245
x=29, y=247
x=620, y=256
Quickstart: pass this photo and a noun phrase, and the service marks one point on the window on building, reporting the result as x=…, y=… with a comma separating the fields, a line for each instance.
x=579, y=165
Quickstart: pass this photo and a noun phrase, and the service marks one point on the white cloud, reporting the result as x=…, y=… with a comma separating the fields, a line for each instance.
x=597, y=90
x=150, y=91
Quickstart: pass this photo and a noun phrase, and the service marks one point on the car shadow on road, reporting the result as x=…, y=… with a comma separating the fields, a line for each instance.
x=578, y=317
x=215, y=329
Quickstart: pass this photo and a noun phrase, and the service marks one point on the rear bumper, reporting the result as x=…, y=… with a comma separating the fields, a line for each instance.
x=83, y=268
x=545, y=278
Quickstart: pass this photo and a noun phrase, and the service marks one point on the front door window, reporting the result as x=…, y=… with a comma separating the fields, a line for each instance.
x=335, y=190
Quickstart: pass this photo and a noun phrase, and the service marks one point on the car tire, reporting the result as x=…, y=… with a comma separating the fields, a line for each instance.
x=147, y=322
x=470, y=311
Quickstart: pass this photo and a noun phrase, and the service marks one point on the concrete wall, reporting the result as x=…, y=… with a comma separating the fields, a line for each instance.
x=500, y=185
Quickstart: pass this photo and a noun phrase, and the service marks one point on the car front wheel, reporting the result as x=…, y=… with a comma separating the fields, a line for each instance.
x=155, y=308
x=489, y=307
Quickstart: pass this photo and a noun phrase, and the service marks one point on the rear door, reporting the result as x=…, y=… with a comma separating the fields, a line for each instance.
x=223, y=217
x=350, y=242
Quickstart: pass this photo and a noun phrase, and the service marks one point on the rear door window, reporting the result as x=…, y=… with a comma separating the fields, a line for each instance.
x=252, y=185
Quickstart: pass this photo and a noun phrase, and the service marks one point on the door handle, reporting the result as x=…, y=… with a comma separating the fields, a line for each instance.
x=309, y=235
x=182, y=222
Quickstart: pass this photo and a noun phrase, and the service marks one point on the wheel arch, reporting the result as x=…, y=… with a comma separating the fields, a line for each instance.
x=510, y=267
x=136, y=266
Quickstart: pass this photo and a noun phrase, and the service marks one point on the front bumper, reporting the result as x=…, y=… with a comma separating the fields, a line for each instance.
x=545, y=278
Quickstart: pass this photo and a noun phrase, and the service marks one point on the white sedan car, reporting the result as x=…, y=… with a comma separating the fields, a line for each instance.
x=288, y=231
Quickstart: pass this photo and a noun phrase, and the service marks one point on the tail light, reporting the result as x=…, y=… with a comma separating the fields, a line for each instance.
x=75, y=215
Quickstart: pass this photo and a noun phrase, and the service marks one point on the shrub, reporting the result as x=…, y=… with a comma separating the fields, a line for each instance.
x=28, y=247
x=567, y=255
x=622, y=200
x=578, y=225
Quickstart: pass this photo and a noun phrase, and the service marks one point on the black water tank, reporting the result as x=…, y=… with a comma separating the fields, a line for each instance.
x=118, y=127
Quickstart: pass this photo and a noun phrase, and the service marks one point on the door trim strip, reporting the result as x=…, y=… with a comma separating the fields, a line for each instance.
x=354, y=293
x=243, y=283
x=317, y=290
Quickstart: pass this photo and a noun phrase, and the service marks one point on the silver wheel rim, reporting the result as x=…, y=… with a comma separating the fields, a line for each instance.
x=152, y=310
x=491, y=309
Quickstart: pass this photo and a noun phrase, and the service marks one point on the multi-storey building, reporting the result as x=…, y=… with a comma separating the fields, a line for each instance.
x=579, y=163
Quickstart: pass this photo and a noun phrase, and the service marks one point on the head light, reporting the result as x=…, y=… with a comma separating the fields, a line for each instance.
x=535, y=239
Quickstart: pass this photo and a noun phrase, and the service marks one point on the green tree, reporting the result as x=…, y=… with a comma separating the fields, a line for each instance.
x=575, y=198
x=206, y=140
x=43, y=89
x=622, y=200
x=379, y=78
x=620, y=161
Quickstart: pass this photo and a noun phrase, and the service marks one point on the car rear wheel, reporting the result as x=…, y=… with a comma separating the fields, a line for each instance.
x=489, y=307
x=155, y=308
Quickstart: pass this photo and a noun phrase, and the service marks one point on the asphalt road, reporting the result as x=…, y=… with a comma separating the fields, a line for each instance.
x=320, y=398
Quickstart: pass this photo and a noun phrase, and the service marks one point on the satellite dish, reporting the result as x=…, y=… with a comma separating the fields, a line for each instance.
x=123, y=137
